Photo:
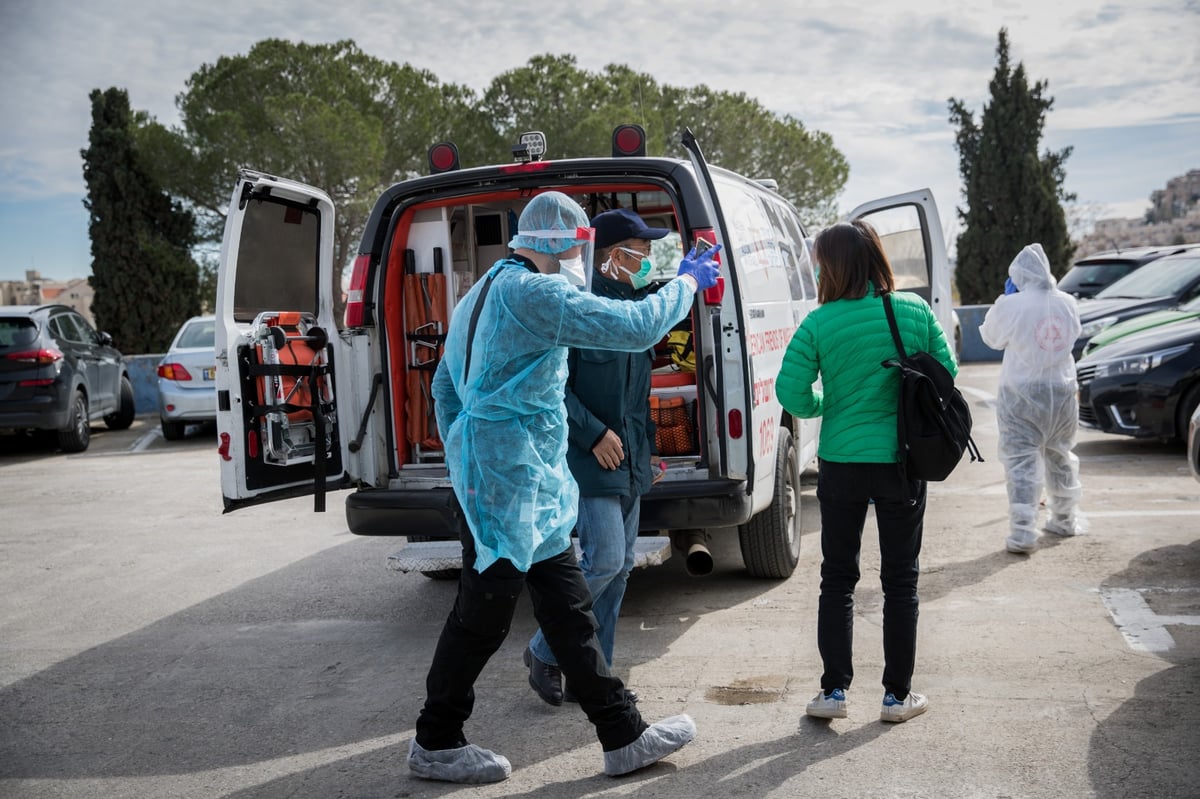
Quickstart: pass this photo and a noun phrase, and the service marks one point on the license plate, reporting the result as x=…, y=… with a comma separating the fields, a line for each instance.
x=210, y=373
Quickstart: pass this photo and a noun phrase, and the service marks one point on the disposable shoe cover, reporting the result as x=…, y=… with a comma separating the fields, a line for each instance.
x=655, y=743
x=469, y=764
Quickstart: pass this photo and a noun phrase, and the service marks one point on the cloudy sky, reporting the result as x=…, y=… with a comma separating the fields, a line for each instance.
x=1125, y=78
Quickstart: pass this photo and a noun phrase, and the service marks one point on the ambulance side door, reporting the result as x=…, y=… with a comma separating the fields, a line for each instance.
x=911, y=232
x=277, y=345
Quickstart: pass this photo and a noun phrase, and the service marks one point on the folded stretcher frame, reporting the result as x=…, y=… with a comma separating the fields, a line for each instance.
x=290, y=367
x=425, y=332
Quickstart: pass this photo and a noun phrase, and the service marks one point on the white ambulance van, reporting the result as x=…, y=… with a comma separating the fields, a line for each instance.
x=307, y=402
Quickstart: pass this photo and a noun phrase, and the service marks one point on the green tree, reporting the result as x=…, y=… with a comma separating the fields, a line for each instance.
x=577, y=110
x=145, y=281
x=1013, y=196
x=327, y=115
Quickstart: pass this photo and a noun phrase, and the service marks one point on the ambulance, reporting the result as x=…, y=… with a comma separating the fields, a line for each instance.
x=308, y=403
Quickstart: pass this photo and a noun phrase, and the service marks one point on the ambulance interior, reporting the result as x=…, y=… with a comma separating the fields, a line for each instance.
x=437, y=253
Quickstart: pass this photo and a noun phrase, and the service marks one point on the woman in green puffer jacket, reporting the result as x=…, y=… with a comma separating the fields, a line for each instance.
x=844, y=342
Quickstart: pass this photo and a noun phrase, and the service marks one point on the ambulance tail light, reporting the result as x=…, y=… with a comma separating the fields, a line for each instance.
x=628, y=140
x=357, y=292
x=443, y=157
x=735, y=423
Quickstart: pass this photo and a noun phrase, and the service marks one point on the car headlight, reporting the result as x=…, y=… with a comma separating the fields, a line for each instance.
x=1095, y=326
x=1139, y=364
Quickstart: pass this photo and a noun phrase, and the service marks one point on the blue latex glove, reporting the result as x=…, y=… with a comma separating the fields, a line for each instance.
x=701, y=267
x=1009, y=286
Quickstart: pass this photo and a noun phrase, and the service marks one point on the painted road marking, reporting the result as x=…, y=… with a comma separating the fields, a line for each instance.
x=1143, y=629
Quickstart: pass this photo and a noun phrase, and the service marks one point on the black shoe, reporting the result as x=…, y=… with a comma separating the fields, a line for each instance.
x=544, y=679
x=570, y=697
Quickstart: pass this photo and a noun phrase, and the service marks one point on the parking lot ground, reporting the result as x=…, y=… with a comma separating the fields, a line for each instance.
x=152, y=646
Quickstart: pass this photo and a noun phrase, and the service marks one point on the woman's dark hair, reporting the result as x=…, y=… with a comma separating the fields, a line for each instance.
x=850, y=254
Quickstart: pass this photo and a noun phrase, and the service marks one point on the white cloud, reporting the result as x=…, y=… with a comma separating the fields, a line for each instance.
x=876, y=76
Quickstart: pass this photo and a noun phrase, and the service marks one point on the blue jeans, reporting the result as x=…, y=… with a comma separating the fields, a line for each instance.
x=844, y=491
x=608, y=528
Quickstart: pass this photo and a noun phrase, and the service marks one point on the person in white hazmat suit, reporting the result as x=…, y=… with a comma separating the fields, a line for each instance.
x=500, y=412
x=1037, y=408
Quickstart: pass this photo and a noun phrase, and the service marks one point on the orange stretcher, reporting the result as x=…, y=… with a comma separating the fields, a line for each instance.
x=425, y=334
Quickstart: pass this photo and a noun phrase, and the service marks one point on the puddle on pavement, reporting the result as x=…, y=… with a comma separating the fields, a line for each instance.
x=750, y=691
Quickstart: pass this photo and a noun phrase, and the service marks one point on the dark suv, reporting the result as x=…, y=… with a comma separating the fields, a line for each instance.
x=58, y=374
x=1090, y=275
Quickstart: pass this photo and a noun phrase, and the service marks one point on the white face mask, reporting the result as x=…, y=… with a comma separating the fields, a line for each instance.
x=572, y=270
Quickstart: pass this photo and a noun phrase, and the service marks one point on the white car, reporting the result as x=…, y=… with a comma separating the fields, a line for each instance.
x=187, y=378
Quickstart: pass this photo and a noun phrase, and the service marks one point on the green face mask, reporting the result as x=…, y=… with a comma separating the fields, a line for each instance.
x=639, y=279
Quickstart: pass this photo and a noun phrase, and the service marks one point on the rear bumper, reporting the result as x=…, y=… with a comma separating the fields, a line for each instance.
x=177, y=404
x=434, y=512
x=39, y=413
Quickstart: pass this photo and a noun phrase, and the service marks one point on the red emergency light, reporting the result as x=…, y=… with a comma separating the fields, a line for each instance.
x=628, y=140
x=443, y=157
x=356, y=293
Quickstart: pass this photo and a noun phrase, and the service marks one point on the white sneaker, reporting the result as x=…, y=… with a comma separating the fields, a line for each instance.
x=828, y=706
x=896, y=711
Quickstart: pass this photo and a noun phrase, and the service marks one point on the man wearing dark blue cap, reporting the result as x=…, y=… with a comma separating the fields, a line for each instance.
x=610, y=445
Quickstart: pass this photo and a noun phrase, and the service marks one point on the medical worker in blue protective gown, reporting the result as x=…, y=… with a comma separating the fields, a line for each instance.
x=1037, y=405
x=501, y=415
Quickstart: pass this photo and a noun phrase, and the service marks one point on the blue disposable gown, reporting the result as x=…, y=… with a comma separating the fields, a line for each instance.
x=505, y=427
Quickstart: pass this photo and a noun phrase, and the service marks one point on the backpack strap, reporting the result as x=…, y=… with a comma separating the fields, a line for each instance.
x=474, y=319
x=891, y=315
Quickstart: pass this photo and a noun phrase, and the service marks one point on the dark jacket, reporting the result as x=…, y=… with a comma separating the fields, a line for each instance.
x=610, y=390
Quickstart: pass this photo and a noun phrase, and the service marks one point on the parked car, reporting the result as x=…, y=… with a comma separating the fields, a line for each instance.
x=187, y=378
x=1193, y=444
x=1167, y=283
x=57, y=374
x=735, y=455
x=1146, y=384
x=1110, y=334
x=1090, y=275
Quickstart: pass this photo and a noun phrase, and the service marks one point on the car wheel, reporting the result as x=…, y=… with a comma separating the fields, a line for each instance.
x=770, y=541
x=123, y=417
x=1183, y=418
x=78, y=434
x=439, y=574
x=173, y=431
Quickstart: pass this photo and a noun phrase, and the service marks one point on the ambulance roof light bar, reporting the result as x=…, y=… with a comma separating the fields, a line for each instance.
x=531, y=147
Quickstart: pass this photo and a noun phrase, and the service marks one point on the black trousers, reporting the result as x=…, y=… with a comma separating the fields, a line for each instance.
x=477, y=626
x=844, y=491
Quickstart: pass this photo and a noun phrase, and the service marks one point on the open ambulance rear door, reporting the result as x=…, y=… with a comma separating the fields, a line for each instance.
x=911, y=232
x=277, y=345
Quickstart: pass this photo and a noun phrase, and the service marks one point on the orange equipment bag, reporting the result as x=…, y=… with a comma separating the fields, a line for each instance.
x=671, y=416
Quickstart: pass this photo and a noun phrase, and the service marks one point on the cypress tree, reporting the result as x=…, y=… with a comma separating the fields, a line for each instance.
x=1013, y=196
x=145, y=280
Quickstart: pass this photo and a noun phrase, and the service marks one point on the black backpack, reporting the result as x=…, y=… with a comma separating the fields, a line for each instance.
x=933, y=423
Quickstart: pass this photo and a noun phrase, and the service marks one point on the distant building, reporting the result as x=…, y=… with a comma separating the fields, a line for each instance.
x=1174, y=219
x=36, y=290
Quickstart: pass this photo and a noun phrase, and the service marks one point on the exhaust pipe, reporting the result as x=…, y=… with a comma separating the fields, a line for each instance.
x=698, y=561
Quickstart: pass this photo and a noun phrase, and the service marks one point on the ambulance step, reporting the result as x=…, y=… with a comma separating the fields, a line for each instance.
x=434, y=556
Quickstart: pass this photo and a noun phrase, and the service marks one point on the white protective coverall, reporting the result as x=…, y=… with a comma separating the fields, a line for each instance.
x=1037, y=409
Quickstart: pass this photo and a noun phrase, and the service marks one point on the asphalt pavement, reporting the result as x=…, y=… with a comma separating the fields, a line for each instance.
x=151, y=646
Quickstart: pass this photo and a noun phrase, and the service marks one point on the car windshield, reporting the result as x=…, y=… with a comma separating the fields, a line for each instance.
x=17, y=331
x=198, y=334
x=1162, y=278
x=1092, y=275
